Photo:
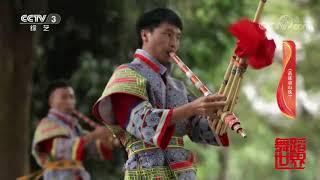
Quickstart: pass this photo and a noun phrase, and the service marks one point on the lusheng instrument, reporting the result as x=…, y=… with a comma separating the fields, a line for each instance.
x=234, y=124
x=235, y=70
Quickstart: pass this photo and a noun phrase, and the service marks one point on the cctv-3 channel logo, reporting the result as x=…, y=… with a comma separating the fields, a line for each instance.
x=40, y=20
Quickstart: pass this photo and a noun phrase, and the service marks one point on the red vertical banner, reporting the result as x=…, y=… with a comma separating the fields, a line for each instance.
x=286, y=92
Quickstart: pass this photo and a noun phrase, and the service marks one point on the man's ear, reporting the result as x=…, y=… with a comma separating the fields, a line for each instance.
x=145, y=35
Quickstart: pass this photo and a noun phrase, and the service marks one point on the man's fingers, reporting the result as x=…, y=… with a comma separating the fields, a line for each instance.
x=216, y=98
x=215, y=105
x=210, y=108
x=214, y=115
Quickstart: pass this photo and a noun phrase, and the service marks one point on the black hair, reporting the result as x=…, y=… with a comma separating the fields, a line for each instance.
x=56, y=85
x=154, y=18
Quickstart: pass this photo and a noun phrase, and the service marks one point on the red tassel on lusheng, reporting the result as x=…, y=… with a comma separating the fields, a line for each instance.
x=264, y=55
x=252, y=43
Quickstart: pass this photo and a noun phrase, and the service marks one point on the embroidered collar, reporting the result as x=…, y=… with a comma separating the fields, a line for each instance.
x=153, y=63
x=66, y=118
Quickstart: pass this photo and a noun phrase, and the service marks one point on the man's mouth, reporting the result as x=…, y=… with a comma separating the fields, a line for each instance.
x=169, y=52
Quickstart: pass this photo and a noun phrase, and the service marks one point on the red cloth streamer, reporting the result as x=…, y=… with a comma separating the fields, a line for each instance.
x=252, y=43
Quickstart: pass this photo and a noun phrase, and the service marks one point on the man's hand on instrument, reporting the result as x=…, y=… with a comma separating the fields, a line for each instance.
x=208, y=105
x=203, y=106
x=108, y=139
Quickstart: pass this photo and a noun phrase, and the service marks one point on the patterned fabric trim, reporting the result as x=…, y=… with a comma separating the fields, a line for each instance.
x=181, y=166
x=126, y=80
x=48, y=129
x=163, y=124
x=144, y=59
x=163, y=173
x=77, y=149
x=140, y=146
x=64, y=164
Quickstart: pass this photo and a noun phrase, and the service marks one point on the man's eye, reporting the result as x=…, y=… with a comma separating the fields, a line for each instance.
x=167, y=34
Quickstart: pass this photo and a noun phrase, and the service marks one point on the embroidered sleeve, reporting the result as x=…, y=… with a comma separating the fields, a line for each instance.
x=143, y=121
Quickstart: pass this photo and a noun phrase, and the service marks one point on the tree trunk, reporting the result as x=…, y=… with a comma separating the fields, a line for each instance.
x=17, y=52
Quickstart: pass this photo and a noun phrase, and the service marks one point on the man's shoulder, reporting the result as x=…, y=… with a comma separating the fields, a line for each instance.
x=126, y=80
x=126, y=73
x=48, y=128
x=122, y=66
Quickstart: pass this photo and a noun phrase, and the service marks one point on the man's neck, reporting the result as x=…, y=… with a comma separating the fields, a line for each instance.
x=151, y=53
x=166, y=65
x=66, y=118
x=62, y=111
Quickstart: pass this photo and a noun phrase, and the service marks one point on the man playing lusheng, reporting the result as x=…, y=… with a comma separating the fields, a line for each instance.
x=60, y=144
x=153, y=108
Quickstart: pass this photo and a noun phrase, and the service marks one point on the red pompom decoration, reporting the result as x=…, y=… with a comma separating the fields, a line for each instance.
x=252, y=43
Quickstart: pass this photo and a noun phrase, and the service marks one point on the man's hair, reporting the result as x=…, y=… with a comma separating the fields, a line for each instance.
x=56, y=85
x=154, y=18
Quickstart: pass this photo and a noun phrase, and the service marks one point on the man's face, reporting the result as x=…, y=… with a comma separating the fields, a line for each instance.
x=163, y=39
x=63, y=99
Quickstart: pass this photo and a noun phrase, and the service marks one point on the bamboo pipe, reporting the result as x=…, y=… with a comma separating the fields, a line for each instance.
x=236, y=81
x=206, y=92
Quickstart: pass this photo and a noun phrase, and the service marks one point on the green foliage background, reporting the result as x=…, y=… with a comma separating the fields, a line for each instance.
x=95, y=36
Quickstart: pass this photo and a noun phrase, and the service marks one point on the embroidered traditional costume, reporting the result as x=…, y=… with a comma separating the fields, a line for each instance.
x=139, y=98
x=59, y=148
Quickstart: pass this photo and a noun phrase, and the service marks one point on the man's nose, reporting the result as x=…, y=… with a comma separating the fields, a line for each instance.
x=174, y=44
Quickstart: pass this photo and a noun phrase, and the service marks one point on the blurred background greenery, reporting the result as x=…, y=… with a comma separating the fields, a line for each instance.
x=96, y=36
